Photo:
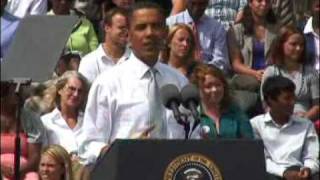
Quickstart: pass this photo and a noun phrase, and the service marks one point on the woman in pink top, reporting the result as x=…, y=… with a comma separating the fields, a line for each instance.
x=31, y=133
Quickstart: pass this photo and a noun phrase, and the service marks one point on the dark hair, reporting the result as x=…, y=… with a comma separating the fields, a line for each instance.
x=94, y=9
x=275, y=85
x=248, y=21
x=111, y=13
x=198, y=77
x=145, y=5
x=4, y=89
x=8, y=99
x=277, y=53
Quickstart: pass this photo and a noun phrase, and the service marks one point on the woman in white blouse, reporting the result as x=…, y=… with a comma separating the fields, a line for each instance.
x=64, y=123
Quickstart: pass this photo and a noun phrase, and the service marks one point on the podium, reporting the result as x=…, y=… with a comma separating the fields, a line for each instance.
x=182, y=159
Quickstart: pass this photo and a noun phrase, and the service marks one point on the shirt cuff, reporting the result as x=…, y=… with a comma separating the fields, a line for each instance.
x=91, y=151
x=273, y=168
x=280, y=171
x=314, y=166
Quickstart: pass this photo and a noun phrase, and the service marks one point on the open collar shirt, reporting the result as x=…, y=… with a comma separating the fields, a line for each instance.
x=99, y=61
x=58, y=131
x=212, y=37
x=118, y=106
x=292, y=144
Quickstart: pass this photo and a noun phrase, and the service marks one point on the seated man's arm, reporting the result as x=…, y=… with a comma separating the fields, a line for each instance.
x=271, y=166
x=220, y=57
x=310, y=154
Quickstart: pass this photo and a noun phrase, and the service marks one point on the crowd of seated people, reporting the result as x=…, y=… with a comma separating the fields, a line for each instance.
x=288, y=60
x=31, y=136
x=255, y=74
x=249, y=46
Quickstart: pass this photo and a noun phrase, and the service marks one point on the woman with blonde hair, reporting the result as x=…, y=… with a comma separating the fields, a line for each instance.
x=64, y=123
x=179, y=49
x=55, y=164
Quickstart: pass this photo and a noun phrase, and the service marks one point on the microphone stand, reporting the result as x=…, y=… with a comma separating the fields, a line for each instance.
x=185, y=123
x=19, y=82
x=193, y=108
x=196, y=123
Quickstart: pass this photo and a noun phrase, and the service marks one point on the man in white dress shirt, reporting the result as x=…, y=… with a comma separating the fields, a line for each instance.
x=118, y=105
x=291, y=144
x=210, y=35
x=113, y=51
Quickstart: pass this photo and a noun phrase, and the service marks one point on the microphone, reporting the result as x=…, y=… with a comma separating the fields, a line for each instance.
x=204, y=132
x=171, y=99
x=190, y=100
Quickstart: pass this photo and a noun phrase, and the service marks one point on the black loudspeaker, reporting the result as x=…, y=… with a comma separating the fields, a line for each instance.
x=182, y=159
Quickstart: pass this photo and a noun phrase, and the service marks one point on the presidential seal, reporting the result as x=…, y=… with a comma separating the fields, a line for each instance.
x=192, y=166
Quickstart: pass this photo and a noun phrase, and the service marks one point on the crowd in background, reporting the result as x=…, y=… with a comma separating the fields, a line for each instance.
x=254, y=62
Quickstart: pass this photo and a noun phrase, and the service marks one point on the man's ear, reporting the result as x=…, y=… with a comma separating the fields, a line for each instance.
x=269, y=100
x=106, y=27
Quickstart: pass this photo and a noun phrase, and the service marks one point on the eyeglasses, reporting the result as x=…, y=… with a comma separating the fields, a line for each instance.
x=72, y=89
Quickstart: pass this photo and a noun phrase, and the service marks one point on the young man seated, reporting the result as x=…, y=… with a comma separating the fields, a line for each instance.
x=291, y=144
